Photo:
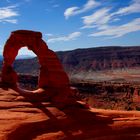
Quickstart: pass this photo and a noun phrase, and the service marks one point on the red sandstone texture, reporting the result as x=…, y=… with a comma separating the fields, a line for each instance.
x=23, y=118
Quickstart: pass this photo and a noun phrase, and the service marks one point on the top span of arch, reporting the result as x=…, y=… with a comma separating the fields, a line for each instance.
x=27, y=33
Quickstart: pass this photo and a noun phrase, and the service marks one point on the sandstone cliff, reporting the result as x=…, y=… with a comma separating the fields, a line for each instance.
x=100, y=58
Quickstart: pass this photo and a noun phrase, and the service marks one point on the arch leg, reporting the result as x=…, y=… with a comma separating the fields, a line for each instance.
x=9, y=76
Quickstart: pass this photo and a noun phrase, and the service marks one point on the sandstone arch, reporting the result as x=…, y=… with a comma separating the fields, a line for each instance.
x=52, y=76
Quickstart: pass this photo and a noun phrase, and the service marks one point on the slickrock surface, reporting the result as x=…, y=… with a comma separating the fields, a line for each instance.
x=30, y=119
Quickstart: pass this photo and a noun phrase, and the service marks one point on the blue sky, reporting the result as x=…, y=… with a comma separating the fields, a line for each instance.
x=71, y=24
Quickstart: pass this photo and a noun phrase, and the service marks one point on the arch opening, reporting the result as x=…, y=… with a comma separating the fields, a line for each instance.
x=27, y=69
x=25, y=53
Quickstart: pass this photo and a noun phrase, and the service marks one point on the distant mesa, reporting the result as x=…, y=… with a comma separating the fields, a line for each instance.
x=101, y=58
x=24, y=57
x=20, y=57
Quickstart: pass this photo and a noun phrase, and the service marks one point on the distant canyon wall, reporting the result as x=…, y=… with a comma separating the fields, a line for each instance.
x=100, y=58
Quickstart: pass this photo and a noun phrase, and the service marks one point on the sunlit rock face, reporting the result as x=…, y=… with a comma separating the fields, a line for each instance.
x=52, y=77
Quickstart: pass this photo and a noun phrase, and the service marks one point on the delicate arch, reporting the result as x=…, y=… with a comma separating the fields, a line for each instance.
x=52, y=75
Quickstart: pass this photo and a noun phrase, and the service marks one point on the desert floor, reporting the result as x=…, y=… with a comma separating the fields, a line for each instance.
x=32, y=119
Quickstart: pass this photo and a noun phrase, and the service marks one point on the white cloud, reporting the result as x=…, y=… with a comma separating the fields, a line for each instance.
x=118, y=31
x=14, y=21
x=102, y=19
x=77, y=10
x=69, y=37
x=70, y=12
x=98, y=18
x=134, y=7
x=49, y=35
x=6, y=13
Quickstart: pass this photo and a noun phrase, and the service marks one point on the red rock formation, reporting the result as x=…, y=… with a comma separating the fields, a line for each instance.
x=23, y=119
x=52, y=76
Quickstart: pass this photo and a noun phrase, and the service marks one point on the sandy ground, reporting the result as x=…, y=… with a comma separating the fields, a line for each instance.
x=31, y=119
